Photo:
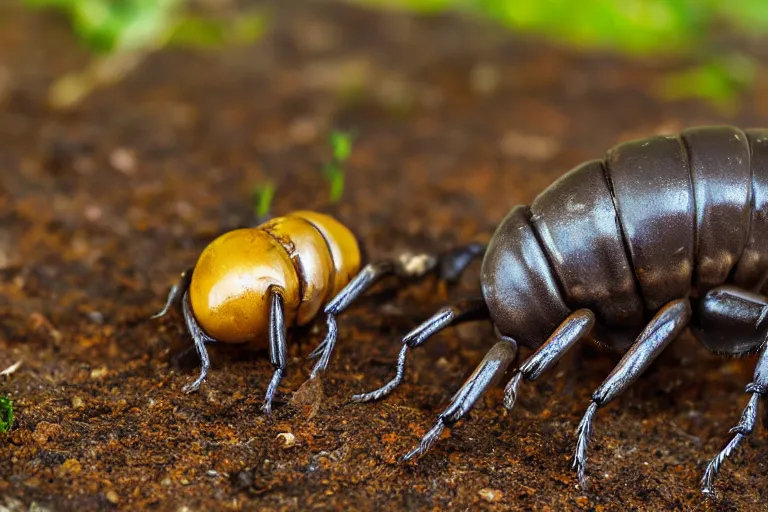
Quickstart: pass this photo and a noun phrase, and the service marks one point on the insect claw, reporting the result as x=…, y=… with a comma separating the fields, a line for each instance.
x=192, y=386
x=427, y=441
x=510, y=392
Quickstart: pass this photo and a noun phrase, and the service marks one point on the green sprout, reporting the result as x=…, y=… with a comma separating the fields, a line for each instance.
x=262, y=198
x=6, y=414
x=341, y=146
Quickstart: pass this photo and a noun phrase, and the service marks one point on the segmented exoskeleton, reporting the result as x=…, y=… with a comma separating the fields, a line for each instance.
x=661, y=234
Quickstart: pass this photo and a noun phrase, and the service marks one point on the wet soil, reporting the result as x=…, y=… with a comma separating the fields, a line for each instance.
x=456, y=121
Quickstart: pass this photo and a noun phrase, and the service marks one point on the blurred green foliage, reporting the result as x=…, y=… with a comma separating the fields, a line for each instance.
x=633, y=26
x=202, y=32
x=718, y=81
x=107, y=26
x=6, y=414
x=110, y=25
x=636, y=28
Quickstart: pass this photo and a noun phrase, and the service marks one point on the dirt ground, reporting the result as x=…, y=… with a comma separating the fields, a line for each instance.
x=455, y=122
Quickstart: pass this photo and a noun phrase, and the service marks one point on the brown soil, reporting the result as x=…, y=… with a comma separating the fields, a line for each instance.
x=455, y=122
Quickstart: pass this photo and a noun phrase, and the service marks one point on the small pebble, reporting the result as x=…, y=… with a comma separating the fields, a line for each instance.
x=123, y=160
x=98, y=373
x=484, y=78
x=45, y=431
x=96, y=317
x=491, y=495
x=77, y=402
x=70, y=467
x=287, y=438
x=112, y=497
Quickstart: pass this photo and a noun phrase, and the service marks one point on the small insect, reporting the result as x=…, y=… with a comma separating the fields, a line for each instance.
x=661, y=234
x=249, y=285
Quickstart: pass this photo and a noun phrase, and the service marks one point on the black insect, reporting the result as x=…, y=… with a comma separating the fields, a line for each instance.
x=661, y=234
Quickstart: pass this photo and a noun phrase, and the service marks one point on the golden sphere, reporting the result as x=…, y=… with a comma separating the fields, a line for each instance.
x=231, y=285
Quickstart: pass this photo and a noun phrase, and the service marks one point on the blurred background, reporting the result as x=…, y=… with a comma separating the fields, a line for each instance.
x=703, y=51
x=132, y=132
x=125, y=30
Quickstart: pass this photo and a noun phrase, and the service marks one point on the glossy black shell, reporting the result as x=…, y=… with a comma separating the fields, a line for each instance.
x=657, y=219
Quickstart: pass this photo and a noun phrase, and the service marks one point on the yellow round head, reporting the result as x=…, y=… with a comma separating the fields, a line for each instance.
x=231, y=285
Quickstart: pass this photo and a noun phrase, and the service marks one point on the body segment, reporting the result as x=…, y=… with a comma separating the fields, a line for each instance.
x=651, y=184
x=232, y=281
x=576, y=212
x=518, y=284
x=752, y=268
x=722, y=182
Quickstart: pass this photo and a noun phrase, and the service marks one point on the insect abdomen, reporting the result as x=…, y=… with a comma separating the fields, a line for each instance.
x=654, y=199
x=667, y=216
x=325, y=256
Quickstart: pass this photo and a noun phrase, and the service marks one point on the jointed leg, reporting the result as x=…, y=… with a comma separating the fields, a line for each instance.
x=490, y=369
x=733, y=321
x=454, y=262
x=278, y=348
x=665, y=326
x=449, y=266
x=575, y=327
x=200, y=339
x=176, y=293
x=464, y=311
x=370, y=275
x=758, y=387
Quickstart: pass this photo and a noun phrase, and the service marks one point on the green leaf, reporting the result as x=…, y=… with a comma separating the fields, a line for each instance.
x=337, y=187
x=341, y=142
x=6, y=414
x=263, y=195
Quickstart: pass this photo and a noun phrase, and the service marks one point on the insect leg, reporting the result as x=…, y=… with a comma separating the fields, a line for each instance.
x=278, y=348
x=665, y=326
x=575, y=327
x=745, y=426
x=200, y=339
x=464, y=311
x=176, y=293
x=488, y=372
x=453, y=263
x=743, y=313
x=448, y=266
